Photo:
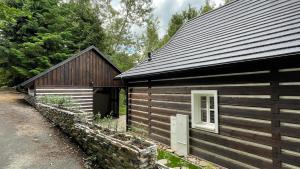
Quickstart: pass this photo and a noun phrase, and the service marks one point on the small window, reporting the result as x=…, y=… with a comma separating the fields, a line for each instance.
x=205, y=110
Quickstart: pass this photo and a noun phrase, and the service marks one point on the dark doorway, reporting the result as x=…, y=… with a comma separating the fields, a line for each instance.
x=106, y=101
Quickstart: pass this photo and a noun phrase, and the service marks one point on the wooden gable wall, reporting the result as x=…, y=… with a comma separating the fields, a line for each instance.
x=81, y=72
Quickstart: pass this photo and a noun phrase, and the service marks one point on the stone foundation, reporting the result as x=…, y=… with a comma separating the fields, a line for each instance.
x=111, y=150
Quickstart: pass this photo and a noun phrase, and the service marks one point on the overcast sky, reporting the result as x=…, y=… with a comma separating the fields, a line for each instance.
x=164, y=9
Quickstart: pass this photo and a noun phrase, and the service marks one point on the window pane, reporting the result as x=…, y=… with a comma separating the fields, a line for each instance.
x=203, y=102
x=203, y=115
x=211, y=102
x=212, y=116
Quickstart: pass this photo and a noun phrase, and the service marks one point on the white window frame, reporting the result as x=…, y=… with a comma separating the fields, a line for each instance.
x=196, y=110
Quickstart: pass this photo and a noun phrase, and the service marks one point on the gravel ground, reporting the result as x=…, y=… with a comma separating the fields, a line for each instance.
x=29, y=141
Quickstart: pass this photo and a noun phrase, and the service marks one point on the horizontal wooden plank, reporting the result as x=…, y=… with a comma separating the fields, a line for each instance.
x=176, y=98
x=160, y=139
x=290, y=131
x=233, y=90
x=257, y=162
x=231, y=143
x=168, y=112
x=65, y=94
x=165, y=119
x=159, y=132
x=216, y=159
x=244, y=124
x=138, y=96
x=260, y=139
x=138, y=113
x=289, y=104
x=246, y=113
x=139, y=102
x=138, y=119
x=289, y=117
x=250, y=102
x=172, y=105
x=290, y=145
x=138, y=107
x=165, y=126
x=289, y=76
x=138, y=90
x=289, y=90
x=290, y=159
x=65, y=87
x=249, y=78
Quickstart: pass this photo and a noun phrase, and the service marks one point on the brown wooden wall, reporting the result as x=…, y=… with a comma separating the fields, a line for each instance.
x=259, y=116
x=80, y=72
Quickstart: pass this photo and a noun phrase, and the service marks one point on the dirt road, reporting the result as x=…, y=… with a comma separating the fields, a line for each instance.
x=29, y=141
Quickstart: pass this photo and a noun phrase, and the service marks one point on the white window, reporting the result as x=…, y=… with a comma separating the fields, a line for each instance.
x=205, y=110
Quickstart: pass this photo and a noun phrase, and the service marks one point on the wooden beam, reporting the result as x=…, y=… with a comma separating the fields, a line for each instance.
x=275, y=122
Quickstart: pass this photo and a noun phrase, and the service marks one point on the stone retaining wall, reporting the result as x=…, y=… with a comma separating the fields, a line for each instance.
x=30, y=99
x=111, y=150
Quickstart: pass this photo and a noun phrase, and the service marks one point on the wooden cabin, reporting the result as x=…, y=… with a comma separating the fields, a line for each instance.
x=235, y=72
x=87, y=77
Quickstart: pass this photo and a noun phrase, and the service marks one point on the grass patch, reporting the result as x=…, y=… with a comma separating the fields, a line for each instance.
x=122, y=110
x=122, y=103
x=175, y=161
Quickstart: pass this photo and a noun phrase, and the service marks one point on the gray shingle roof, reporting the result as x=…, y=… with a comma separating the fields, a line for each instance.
x=239, y=31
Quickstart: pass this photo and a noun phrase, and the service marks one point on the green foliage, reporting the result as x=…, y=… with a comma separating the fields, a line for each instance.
x=121, y=43
x=151, y=39
x=58, y=101
x=34, y=35
x=206, y=8
x=227, y=1
x=106, y=122
x=122, y=103
x=177, y=20
x=176, y=161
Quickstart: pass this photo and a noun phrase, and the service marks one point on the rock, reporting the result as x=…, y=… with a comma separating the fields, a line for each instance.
x=106, y=150
x=170, y=150
x=163, y=161
x=203, y=163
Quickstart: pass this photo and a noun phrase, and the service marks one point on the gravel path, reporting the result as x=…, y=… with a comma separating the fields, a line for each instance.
x=29, y=141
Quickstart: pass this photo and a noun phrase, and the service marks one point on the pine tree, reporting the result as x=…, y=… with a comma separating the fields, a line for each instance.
x=37, y=34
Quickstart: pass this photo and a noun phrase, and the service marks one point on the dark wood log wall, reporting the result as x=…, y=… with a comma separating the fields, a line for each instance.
x=80, y=72
x=259, y=116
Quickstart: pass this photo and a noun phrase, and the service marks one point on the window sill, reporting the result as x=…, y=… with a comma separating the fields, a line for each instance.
x=206, y=127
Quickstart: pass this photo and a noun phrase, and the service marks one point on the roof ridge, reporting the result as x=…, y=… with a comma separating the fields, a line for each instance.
x=74, y=56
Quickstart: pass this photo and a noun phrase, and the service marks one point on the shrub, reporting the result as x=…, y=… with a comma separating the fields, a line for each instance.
x=58, y=101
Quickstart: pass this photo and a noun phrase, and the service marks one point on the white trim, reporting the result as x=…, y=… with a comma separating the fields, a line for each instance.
x=78, y=93
x=290, y=97
x=246, y=107
x=289, y=70
x=248, y=96
x=196, y=118
x=289, y=83
x=81, y=103
x=64, y=90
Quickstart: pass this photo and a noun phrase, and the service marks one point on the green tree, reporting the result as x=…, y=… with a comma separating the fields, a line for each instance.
x=44, y=33
x=177, y=20
x=227, y=1
x=119, y=24
x=151, y=39
x=206, y=8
